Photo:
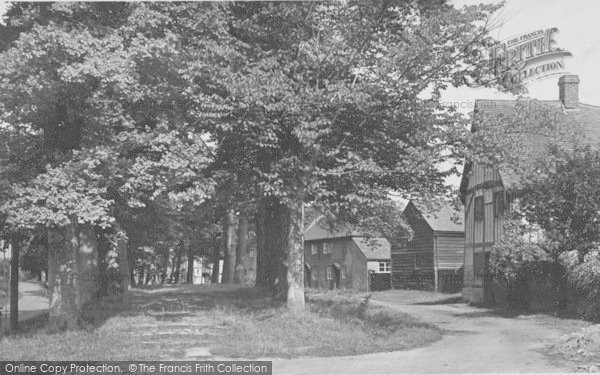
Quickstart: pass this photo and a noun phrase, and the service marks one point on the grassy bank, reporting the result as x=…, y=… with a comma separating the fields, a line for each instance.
x=192, y=321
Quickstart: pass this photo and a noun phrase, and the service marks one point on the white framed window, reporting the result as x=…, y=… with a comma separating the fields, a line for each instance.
x=343, y=272
x=313, y=248
x=326, y=248
x=384, y=266
x=329, y=273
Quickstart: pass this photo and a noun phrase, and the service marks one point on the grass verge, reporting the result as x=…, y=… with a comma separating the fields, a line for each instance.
x=582, y=348
x=230, y=322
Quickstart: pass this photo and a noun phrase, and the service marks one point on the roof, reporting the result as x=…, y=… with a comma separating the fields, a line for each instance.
x=374, y=248
x=585, y=118
x=443, y=218
x=320, y=229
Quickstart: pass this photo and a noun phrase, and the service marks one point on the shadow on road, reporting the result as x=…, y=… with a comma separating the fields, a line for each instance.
x=446, y=301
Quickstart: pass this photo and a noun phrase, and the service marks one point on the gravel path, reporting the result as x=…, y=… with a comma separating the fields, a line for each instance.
x=475, y=340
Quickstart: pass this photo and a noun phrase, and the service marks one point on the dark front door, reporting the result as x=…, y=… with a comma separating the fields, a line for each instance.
x=335, y=277
x=307, y=277
x=488, y=291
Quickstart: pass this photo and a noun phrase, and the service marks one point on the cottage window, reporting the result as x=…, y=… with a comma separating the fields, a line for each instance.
x=498, y=203
x=313, y=248
x=479, y=208
x=343, y=272
x=329, y=273
x=508, y=202
x=384, y=266
x=326, y=248
x=419, y=261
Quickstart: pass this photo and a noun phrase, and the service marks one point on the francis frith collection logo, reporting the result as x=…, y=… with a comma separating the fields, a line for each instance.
x=528, y=57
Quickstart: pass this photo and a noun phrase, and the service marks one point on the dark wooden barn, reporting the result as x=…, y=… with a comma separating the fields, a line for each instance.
x=433, y=259
x=485, y=190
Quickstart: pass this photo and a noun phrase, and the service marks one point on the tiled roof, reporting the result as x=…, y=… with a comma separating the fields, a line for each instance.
x=442, y=218
x=322, y=230
x=585, y=119
x=374, y=248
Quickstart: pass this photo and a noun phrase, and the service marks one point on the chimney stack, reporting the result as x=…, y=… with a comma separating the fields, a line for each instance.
x=568, y=91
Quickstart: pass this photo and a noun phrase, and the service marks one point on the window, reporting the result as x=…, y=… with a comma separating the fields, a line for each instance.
x=329, y=273
x=498, y=203
x=313, y=248
x=326, y=248
x=479, y=209
x=418, y=261
x=384, y=266
x=343, y=272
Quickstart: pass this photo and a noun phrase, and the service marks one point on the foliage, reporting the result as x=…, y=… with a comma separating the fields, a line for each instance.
x=564, y=199
x=584, y=275
x=521, y=244
x=105, y=119
x=334, y=116
x=557, y=218
x=143, y=114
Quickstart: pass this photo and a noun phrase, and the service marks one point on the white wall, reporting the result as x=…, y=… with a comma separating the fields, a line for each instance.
x=373, y=265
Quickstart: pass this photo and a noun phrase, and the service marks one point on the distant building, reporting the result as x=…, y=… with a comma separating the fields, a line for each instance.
x=5, y=250
x=434, y=257
x=342, y=258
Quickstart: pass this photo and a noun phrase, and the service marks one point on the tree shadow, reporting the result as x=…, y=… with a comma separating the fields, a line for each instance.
x=512, y=312
x=445, y=301
x=174, y=303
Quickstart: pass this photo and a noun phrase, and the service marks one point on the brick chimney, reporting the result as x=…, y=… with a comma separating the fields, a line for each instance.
x=568, y=91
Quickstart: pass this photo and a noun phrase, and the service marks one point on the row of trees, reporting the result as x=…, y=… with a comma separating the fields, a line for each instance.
x=146, y=124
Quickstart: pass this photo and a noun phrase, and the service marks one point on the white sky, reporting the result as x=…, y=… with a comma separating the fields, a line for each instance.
x=578, y=22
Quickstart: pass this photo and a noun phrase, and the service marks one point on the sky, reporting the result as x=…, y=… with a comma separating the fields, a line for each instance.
x=578, y=22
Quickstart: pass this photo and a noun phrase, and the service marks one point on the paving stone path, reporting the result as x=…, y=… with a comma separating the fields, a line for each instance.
x=192, y=338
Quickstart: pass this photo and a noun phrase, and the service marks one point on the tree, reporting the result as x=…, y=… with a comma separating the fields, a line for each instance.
x=241, y=247
x=330, y=110
x=96, y=125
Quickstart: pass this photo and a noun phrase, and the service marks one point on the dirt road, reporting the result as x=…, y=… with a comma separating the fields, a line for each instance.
x=475, y=340
x=32, y=300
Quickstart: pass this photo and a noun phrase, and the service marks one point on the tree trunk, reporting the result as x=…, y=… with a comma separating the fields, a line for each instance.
x=241, y=248
x=87, y=264
x=14, y=282
x=177, y=268
x=164, y=269
x=278, y=239
x=229, y=247
x=271, y=238
x=190, y=265
x=295, y=259
x=62, y=274
x=216, y=258
x=261, y=245
x=122, y=250
x=105, y=259
x=142, y=275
